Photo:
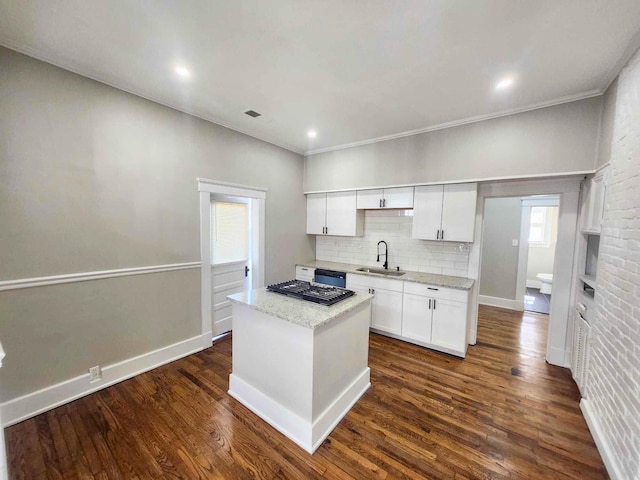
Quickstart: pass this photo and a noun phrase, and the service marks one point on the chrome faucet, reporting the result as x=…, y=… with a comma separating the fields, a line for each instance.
x=386, y=257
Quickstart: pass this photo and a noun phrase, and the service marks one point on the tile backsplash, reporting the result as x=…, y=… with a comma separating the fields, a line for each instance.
x=394, y=227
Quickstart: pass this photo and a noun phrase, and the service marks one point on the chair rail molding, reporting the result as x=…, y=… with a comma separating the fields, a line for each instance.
x=87, y=276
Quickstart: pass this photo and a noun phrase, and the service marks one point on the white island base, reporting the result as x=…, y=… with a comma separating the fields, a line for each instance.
x=300, y=379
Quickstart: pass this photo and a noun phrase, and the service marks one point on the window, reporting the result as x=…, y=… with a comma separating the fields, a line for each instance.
x=228, y=232
x=538, y=234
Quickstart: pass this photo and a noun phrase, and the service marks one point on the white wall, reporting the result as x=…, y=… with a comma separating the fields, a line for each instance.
x=499, y=262
x=613, y=385
x=93, y=179
x=394, y=227
x=541, y=257
x=551, y=140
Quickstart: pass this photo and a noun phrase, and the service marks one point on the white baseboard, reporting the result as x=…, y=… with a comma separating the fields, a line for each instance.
x=604, y=448
x=534, y=284
x=517, y=305
x=308, y=435
x=558, y=357
x=40, y=401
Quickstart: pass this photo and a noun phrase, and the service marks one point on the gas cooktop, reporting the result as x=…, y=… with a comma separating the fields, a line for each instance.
x=311, y=292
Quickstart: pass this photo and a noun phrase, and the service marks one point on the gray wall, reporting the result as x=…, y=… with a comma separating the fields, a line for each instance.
x=557, y=139
x=499, y=262
x=606, y=125
x=93, y=178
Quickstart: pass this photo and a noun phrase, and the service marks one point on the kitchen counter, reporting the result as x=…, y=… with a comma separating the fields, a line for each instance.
x=300, y=312
x=448, y=281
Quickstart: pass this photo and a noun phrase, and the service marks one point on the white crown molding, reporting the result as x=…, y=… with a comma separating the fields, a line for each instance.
x=48, y=398
x=30, y=52
x=86, y=276
x=463, y=121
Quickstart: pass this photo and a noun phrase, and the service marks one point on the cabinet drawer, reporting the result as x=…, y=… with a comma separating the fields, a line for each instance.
x=436, y=292
x=374, y=282
x=305, y=272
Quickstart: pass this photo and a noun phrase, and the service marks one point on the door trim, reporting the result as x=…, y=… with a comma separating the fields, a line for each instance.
x=558, y=343
x=257, y=198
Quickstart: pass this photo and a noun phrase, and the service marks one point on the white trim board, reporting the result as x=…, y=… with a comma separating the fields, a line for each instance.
x=509, y=178
x=86, y=276
x=604, y=448
x=534, y=284
x=32, y=404
x=501, y=302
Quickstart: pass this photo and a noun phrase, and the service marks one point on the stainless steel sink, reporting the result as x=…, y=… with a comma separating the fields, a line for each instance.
x=381, y=271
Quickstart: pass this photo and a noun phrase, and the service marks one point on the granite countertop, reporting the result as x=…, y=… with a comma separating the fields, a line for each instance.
x=448, y=281
x=301, y=312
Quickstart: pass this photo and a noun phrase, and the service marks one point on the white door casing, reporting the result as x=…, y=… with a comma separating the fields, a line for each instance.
x=256, y=198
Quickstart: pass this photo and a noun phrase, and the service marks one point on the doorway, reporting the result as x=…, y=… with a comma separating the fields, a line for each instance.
x=232, y=249
x=539, y=231
x=559, y=341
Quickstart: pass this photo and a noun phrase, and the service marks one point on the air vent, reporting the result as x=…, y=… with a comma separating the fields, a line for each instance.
x=252, y=113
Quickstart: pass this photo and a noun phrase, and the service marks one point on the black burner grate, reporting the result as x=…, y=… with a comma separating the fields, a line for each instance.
x=322, y=294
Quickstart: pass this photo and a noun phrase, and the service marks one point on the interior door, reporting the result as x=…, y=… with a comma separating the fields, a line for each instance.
x=230, y=258
x=427, y=212
x=226, y=279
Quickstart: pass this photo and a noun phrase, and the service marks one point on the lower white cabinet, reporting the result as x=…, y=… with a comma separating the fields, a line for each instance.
x=386, y=307
x=449, y=326
x=427, y=315
x=435, y=321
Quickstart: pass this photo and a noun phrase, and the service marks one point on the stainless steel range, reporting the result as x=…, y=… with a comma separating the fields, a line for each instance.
x=311, y=292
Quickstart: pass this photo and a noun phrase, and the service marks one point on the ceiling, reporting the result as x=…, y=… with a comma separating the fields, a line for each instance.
x=353, y=70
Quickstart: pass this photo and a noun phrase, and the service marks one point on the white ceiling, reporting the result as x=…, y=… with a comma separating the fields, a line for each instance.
x=354, y=70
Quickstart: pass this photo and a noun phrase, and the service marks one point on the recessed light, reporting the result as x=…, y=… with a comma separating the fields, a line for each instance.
x=504, y=83
x=312, y=134
x=182, y=71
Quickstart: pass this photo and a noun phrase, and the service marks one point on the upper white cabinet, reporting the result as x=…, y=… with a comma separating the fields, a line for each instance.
x=445, y=212
x=334, y=214
x=401, y=197
x=593, y=202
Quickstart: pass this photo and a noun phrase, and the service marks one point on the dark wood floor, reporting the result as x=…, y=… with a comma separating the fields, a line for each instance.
x=500, y=413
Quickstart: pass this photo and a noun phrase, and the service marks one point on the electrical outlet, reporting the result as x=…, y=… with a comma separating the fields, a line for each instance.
x=95, y=373
x=514, y=243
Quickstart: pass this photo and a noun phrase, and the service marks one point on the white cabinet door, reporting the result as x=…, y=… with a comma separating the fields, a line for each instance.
x=427, y=212
x=416, y=317
x=316, y=213
x=458, y=212
x=596, y=203
x=398, y=197
x=369, y=199
x=386, y=311
x=449, y=325
x=342, y=216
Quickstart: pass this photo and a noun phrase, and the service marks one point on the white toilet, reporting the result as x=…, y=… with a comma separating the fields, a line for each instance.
x=547, y=280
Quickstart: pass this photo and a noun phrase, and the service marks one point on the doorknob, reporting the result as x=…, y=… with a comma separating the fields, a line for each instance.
x=246, y=271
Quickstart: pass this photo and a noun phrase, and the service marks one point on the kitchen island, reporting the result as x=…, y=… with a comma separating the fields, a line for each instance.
x=298, y=365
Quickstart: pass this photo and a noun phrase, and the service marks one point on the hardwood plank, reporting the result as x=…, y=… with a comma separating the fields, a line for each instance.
x=502, y=412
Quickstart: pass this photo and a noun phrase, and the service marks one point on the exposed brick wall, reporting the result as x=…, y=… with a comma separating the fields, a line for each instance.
x=614, y=370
